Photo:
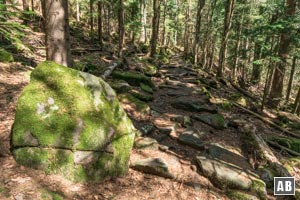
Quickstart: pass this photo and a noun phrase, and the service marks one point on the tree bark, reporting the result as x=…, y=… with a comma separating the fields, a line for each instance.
x=227, y=26
x=155, y=26
x=143, y=37
x=284, y=48
x=256, y=70
x=91, y=19
x=100, y=27
x=57, y=31
x=25, y=5
x=200, y=6
x=77, y=11
x=121, y=26
x=288, y=91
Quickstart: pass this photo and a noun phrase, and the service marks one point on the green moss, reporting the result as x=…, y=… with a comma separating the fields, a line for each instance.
x=72, y=111
x=146, y=88
x=259, y=187
x=6, y=56
x=133, y=78
x=291, y=143
x=50, y=195
x=139, y=105
x=141, y=95
x=218, y=120
x=150, y=69
x=237, y=195
x=226, y=105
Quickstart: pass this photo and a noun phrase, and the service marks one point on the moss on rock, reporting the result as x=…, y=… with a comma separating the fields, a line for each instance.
x=6, y=56
x=238, y=195
x=72, y=111
x=291, y=143
x=133, y=78
x=139, y=105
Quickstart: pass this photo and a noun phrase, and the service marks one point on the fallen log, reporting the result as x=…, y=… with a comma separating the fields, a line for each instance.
x=276, y=145
x=109, y=70
x=244, y=92
x=268, y=121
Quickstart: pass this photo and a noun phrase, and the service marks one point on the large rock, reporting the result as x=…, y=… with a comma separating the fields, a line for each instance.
x=215, y=120
x=194, y=104
x=225, y=175
x=71, y=123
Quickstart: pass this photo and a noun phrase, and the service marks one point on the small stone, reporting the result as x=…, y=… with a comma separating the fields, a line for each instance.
x=146, y=143
x=147, y=129
x=194, y=168
x=167, y=129
x=163, y=148
x=155, y=166
x=191, y=139
x=155, y=113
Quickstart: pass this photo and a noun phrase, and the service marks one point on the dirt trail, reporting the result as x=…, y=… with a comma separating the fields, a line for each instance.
x=176, y=80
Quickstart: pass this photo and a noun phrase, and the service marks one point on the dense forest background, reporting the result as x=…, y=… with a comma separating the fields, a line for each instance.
x=253, y=43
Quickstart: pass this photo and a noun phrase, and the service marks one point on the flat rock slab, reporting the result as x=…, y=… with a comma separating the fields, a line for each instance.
x=215, y=120
x=219, y=152
x=194, y=104
x=146, y=143
x=155, y=166
x=172, y=92
x=225, y=175
x=192, y=138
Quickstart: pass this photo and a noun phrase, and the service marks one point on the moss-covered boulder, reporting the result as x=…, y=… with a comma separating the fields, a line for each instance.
x=71, y=123
x=6, y=56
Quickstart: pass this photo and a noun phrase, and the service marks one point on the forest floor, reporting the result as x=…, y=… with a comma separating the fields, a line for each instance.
x=176, y=80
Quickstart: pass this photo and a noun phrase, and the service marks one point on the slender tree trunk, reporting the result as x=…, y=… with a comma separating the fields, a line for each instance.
x=77, y=11
x=91, y=19
x=200, y=6
x=121, y=26
x=284, y=48
x=288, y=92
x=100, y=27
x=186, y=30
x=32, y=5
x=297, y=102
x=143, y=37
x=163, y=34
x=57, y=31
x=227, y=26
x=25, y=5
x=256, y=70
x=155, y=26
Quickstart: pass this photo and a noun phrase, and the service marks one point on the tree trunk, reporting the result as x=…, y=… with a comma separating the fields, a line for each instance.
x=91, y=19
x=187, y=30
x=121, y=26
x=57, y=31
x=155, y=26
x=256, y=70
x=288, y=92
x=284, y=48
x=297, y=102
x=77, y=11
x=100, y=27
x=163, y=34
x=227, y=26
x=200, y=6
x=143, y=37
x=25, y=5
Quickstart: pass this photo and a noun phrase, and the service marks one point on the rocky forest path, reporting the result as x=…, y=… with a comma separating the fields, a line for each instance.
x=190, y=145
